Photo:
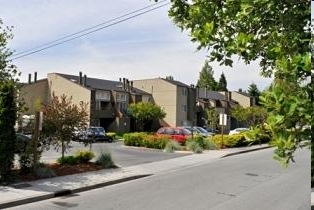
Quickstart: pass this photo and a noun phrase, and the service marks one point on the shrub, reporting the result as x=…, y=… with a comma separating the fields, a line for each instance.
x=171, y=146
x=71, y=160
x=84, y=156
x=133, y=139
x=210, y=145
x=236, y=140
x=145, y=140
x=105, y=160
x=42, y=171
x=194, y=146
x=111, y=134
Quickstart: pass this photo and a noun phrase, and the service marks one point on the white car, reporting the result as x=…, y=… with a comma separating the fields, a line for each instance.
x=238, y=130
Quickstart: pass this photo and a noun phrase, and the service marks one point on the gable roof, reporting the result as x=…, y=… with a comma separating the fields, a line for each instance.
x=101, y=84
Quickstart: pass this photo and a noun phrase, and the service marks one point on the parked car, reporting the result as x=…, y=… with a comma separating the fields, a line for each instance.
x=238, y=130
x=178, y=134
x=198, y=131
x=92, y=134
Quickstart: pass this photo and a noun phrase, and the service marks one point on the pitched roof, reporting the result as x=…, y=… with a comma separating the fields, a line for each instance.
x=101, y=84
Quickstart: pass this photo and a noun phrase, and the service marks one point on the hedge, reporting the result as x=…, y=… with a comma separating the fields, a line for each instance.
x=142, y=139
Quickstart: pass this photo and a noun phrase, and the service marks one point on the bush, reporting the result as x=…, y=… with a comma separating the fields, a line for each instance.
x=112, y=135
x=204, y=143
x=84, y=156
x=172, y=146
x=42, y=171
x=71, y=160
x=105, y=160
x=145, y=140
x=194, y=146
x=236, y=140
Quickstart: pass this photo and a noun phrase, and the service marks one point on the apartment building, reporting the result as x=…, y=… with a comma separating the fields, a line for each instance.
x=107, y=100
x=223, y=103
x=176, y=98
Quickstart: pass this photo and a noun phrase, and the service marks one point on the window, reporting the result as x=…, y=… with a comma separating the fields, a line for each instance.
x=102, y=105
x=102, y=95
x=184, y=91
x=121, y=97
x=184, y=108
x=122, y=106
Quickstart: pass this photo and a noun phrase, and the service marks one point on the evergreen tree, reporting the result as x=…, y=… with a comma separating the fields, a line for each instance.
x=254, y=92
x=7, y=134
x=222, y=84
x=206, y=77
x=8, y=108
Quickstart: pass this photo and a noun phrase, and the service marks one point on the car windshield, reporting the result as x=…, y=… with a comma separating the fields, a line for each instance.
x=100, y=129
x=202, y=130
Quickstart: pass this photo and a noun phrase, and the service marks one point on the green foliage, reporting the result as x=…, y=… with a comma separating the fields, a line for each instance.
x=222, y=83
x=206, y=77
x=144, y=112
x=261, y=30
x=61, y=119
x=105, y=160
x=81, y=156
x=71, y=160
x=201, y=141
x=254, y=92
x=252, y=116
x=229, y=141
x=212, y=118
x=8, y=71
x=84, y=156
x=194, y=147
x=145, y=140
x=42, y=171
x=7, y=135
x=111, y=134
x=172, y=146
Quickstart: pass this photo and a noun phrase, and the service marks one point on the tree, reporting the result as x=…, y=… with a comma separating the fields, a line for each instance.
x=8, y=101
x=144, y=112
x=212, y=118
x=169, y=77
x=61, y=119
x=222, y=83
x=7, y=134
x=254, y=92
x=261, y=30
x=252, y=116
x=206, y=77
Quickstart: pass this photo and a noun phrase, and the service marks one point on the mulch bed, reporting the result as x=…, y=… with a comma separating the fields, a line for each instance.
x=60, y=170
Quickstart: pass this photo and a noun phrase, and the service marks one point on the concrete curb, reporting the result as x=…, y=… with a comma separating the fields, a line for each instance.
x=26, y=200
x=245, y=151
x=65, y=192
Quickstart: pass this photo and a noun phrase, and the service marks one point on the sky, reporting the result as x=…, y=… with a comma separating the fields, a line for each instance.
x=144, y=47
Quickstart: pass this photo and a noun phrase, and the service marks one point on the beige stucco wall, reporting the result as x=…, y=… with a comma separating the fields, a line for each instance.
x=164, y=94
x=182, y=100
x=34, y=93
x=59, y=86
x=243, y=100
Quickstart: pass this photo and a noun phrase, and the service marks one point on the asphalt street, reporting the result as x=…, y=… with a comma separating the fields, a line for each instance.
x=249, y=181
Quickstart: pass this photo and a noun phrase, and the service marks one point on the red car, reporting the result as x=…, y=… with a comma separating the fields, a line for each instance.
x=178, y=134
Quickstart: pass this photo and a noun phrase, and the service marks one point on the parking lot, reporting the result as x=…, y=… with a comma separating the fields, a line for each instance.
x=121, y=155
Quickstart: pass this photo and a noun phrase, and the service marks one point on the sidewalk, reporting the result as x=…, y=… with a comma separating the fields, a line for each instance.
x=33, y=191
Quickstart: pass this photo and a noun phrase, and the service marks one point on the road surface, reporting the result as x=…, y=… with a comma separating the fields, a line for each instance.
x=250, y=181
